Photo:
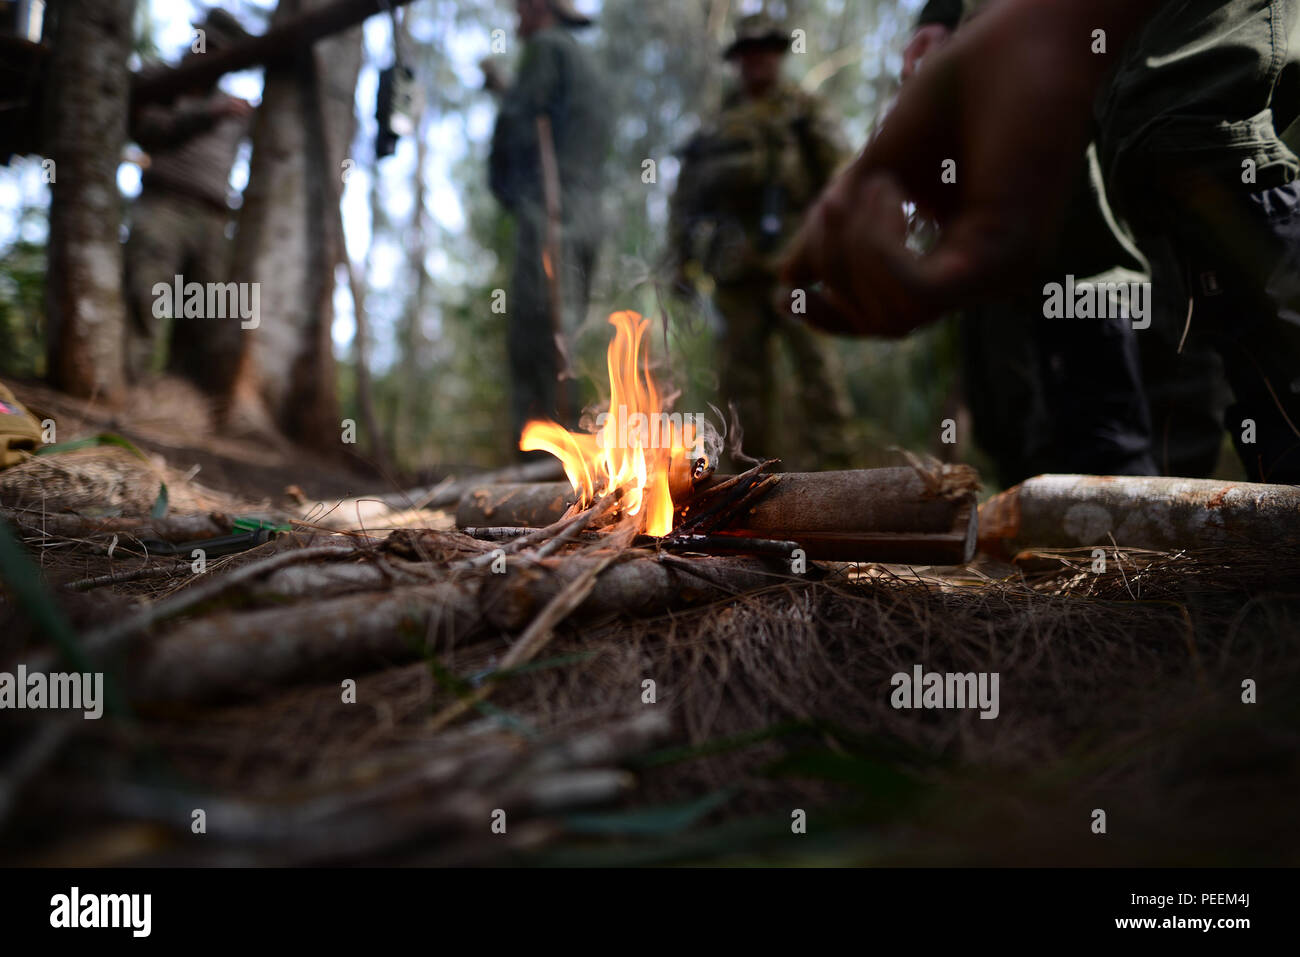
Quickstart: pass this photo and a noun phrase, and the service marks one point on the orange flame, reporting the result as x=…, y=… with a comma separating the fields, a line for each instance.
x=636, y=449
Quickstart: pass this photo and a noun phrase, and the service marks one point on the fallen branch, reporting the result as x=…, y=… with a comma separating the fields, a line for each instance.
x=534, y=639
x=372, y=510
x=178, y=528
x=1158, y=514
x=245, y=654
x=143, y=573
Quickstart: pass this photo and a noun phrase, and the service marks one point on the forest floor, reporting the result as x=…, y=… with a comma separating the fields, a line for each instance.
x=364, y=689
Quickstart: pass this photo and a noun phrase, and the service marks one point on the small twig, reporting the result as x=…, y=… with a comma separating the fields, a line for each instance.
x=708, y=494
x=535, y=637
x=738, y=496
x=746, y=501
x=574, y=529
x=496, y=533
x=727, y=545
x=581, y=520
x=117, y=578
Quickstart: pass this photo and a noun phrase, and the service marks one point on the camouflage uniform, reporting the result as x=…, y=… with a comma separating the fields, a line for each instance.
x=1190, y=146
x=746, y=180
x=557, y=79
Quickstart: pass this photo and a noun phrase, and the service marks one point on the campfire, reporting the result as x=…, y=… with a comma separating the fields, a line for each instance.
x=641, y=455
x=648, y=472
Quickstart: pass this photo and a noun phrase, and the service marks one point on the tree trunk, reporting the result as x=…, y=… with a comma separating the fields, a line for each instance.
x=286, y=238
x=86, y=122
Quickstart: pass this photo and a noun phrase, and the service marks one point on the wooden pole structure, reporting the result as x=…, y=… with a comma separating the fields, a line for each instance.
x=279, y=42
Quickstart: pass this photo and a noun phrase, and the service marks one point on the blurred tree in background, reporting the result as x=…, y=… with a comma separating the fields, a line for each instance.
x=428, y=245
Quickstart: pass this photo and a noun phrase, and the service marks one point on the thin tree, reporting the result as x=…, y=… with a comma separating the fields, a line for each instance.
x=86, y=122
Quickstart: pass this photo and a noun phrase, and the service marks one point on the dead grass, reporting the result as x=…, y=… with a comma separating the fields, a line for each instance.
x=1119, y=691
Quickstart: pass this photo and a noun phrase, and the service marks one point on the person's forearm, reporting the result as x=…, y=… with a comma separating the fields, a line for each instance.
x=1008, y=100
x=1063, y=37
x=1079, y=20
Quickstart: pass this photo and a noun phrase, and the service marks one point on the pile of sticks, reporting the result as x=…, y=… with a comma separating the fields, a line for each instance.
x=467, y=796
x=318, y=606
x=921, y=514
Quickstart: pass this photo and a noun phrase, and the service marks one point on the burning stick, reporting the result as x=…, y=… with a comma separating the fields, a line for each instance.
x=653, y=463
x=638, y=451
x=880, y=515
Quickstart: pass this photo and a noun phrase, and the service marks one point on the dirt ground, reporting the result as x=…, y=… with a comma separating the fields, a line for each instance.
x=767, y=732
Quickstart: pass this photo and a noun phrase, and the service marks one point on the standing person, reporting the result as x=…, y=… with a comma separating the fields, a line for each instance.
x=557, y=214
x=1188, y=96
x=747, y=177
x=179, y=220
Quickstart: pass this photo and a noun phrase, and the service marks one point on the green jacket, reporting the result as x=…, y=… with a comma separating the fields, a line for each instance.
x=746, y=179
x=1206, y=84
x=556, y=78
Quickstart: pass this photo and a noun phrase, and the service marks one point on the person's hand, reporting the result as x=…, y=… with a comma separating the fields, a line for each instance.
x=1004, y=109
x=233, y=106
x=926, y=40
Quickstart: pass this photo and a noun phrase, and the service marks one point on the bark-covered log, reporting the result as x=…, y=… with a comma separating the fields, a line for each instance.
x=880, y=515
x=245, y=654
x=524, y=504
x=374, y=510
x=1162, y=514
x=174, y=528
